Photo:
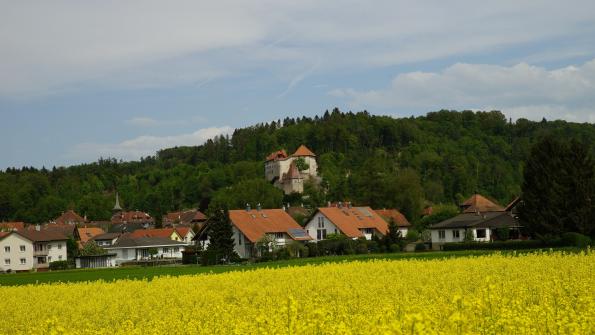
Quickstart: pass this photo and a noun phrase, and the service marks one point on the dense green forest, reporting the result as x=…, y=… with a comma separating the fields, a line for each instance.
x=380, y=161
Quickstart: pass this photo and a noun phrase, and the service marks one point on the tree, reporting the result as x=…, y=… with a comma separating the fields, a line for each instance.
x=558, y=188
x=393, y=236
x=92, y=249
x=301, y=164
x=221, y=242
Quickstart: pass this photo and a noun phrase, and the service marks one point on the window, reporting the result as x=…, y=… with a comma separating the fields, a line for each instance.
x=7, y=249
x=240, y=235
x=49, y=247
x=321, y=234
x=60, y=257
x=23, y=249
x=456, y=234
x=278, y=235
x=40, y=260
x=7, y=261
x=23, y=261
x=442, y=234
x=49, y=258
x=59, y=246
x=480, y=233
x=165, y=250
x=368, y=230
x=320, y=222
x=176, y=249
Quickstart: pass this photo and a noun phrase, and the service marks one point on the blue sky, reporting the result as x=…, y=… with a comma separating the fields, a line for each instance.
x=83, y=80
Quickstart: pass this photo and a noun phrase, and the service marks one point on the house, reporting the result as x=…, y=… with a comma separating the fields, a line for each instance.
x=186, y=234
x=187, y=218
x=282, y=170
x=397, y=217
x=48, y=246
x=106, y=240
x=137, y=249
x=170, y=233
x=12, y=226
x=69, y=217
x=65, y=229
x=16, y=252
x=253, y=225
x=480, y=226
x=353, y=222
x=83, y=234
x=128, y=227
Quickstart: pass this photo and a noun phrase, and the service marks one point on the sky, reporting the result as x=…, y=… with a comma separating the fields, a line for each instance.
x=80, y=80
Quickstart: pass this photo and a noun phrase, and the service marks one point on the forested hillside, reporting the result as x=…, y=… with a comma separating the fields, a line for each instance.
x=380, y=161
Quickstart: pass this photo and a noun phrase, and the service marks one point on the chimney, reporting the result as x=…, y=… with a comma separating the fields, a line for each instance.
x=348, y=204
x=340, y=204
x=258, y=207
x=38, y=227
x=248, y=208
x=328, y=204
x=285, y=209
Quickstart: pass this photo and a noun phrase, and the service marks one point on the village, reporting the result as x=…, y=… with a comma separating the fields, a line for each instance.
x=132, y=238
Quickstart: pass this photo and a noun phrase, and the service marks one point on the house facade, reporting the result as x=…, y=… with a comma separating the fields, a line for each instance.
x=353, y=222
x=273, y=227
x=48, y=247
x=137, y=249
x=397, y=217
x=16, y=252
x=282, y=170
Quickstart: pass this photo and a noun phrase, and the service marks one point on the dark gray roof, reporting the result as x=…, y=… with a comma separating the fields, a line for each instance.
x=482, y=220
x=106, y=236
x=128, y=227
x=144, y=242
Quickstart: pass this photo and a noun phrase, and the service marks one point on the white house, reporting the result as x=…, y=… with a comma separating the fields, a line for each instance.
x=273, y=225
x=481, y=226
x=353, y=222
x=186, y=234
x=397, y=217
x=26, y=250
x=16, y=252
x=136, y=249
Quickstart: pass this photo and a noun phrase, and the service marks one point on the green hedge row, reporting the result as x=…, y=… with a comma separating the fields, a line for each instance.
x=566, y=240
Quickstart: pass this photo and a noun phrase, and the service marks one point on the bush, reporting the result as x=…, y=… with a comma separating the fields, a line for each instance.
x=412, y=235
x=59, y=265
x=190, y=256
x=394, y=247
x=576, y=240
x=420, y=247
x=504, y=245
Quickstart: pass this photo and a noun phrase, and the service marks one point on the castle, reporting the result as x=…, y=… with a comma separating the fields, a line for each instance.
x=283, y=170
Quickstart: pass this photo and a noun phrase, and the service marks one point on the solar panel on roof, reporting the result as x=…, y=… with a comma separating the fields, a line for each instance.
x=296, y=232
x=365, y=212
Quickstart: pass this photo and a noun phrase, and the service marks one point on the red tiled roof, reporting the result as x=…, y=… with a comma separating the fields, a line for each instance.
x=395, y=215
x=281, y=154
x=131, y=216
x=293, y=172
x=4, y=233
x=140, y=233
x=185, y=217
x=479, y=203
x=64, y=229
x=9, y=226
x=254, y=223
x=303, y=151
x=351, y=220
x=43, y=235
x=85, y=234
x=183, y=231
x=69, y=217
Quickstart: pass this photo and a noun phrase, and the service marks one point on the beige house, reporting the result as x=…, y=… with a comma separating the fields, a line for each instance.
x=24, y=251
x=16, y=252
x=282, y=170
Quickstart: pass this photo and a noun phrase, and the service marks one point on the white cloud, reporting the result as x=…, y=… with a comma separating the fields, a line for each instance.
x=52, y=47
x=521, y=90
x=143, y=146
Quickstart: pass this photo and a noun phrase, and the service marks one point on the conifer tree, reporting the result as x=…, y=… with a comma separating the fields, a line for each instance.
x=221, y=242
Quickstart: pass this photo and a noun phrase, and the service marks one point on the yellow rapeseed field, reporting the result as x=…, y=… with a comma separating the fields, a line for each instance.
x=544, y=293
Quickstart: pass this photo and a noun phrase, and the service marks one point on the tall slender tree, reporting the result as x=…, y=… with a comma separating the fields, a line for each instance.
x=221, y=242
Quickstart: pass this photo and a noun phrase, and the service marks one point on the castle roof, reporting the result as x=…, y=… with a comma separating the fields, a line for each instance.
x=479, y=203
x=303, y=151
x=281, y=154
x=293, y=172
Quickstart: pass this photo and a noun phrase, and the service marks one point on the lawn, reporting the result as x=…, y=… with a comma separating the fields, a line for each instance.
x=150, y=272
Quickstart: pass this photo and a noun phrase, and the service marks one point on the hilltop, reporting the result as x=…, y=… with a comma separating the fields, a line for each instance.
x=380, y=161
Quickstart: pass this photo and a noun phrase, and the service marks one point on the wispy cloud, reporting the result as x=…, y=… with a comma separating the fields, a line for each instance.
x=151, y=43
x=142, y=146
x=523, y=90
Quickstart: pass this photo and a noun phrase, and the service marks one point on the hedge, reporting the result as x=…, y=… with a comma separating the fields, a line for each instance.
x=505, y=245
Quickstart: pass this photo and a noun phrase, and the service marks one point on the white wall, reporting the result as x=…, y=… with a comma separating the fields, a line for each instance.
x=56, y=251
x=312, y=226
x=131, y=254
x=240, y=249
x=15, y=241
x=449, y=235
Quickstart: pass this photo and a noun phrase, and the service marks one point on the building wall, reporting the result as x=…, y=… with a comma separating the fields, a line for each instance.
x=189, y=236
x=437, y=242
x=312, y=226
x=136, y=254
x=56, y=251
x=242, y=245
x=15, y=241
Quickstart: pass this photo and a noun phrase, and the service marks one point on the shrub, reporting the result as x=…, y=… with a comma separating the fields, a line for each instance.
x=504, y=245
x=412, y=235
x=420, y=247
x=576, y=240
x=59, y=265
